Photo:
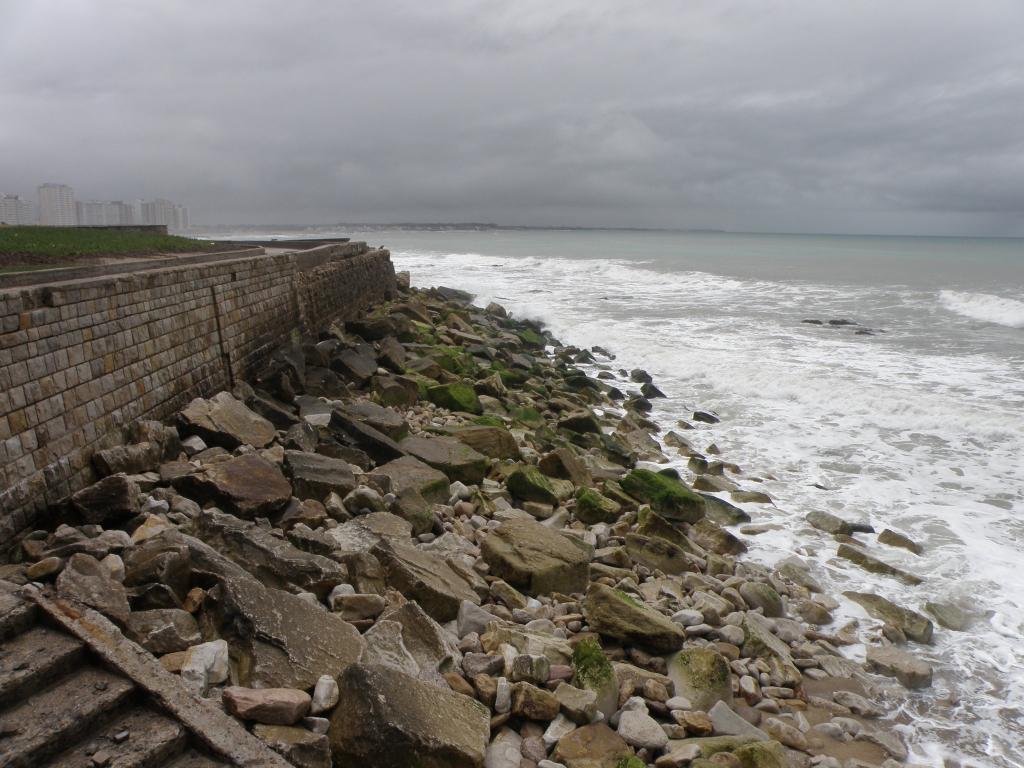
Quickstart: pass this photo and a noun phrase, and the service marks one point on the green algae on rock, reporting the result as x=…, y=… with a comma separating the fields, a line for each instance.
x=667, y=496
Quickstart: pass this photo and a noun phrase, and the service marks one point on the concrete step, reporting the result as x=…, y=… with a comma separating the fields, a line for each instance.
x=16, y=615
x=135, y=738
x=49, y=721
x=31, y=660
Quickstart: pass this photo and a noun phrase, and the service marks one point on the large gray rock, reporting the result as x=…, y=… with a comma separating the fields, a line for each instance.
x=222, y=420
x=386, y=420
x=273, y=560
x=913, y=624
x=277, y=639
x=495, y=442
x=702, y=676
x=113, y=499
x=387, y=719
x=248, y=486
x=760, y=642
x=456, y=459
x=351, y=430
x=163, y=630
x=433, y=649
x=314, y=476
x=905, y=667
x=617, y=615
x=536, y=559
x=425, y=578
x=88, y=581
x=410, y=474
x=131, y=459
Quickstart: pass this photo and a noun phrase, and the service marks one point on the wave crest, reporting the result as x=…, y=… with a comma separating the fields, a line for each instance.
x=985, y=307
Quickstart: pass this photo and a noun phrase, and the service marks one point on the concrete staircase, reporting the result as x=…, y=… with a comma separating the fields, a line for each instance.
x=60, y=705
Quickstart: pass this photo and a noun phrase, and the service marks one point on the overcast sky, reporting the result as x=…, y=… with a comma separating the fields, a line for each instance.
x=903, y=116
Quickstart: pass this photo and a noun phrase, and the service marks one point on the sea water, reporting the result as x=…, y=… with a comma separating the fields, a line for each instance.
x=916, y=426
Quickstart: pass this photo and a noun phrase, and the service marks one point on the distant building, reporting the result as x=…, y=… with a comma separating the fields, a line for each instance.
x=57, y=206
x=104, y=213
x=172, y=215
x=16, y=210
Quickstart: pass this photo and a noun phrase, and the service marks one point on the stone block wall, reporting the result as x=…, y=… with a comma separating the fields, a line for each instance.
x=80, y=360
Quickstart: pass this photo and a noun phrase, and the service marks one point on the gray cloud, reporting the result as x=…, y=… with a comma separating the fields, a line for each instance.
x=795, y=115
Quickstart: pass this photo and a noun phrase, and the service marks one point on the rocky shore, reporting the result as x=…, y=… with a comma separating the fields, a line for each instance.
x=429, y=537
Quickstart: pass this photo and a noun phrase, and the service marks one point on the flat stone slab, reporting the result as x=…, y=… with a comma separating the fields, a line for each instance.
x=534, y=558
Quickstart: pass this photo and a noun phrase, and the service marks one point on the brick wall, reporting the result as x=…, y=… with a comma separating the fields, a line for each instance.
x=79, y=360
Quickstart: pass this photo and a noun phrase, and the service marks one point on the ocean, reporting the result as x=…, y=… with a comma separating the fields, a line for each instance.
x=911, y=419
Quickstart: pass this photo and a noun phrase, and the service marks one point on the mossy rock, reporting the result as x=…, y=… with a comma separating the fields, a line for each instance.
x=667, y=496
x=762, y=754
x=488, y=421
x=593, y=507
x=453, y=360
x=702, y=676
x=455, y=397
x=529, y=484
x=613, y=613
x=631, y=762
x=531, y=338
x=591, y=668
x=529, y=417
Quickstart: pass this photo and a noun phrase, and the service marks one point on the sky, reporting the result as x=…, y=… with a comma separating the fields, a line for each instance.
x=859, y=116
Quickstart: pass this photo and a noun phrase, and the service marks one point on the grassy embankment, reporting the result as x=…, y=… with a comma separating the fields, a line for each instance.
x=24, y=248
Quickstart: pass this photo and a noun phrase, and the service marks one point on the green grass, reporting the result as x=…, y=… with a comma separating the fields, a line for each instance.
x=51, y=246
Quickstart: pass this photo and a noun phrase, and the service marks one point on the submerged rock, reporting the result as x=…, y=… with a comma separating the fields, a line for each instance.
x=912, y=624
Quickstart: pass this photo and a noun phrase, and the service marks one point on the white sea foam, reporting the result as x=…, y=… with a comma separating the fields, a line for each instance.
x=907, y=430
x=985, y=307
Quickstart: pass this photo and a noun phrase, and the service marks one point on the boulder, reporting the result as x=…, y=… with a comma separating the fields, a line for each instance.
x=273, y=706
x=165, y=630
x=410, y=474
x=273, y=560
x=455, y=397
x=87, y=581
x=381, y=418
x=536, y=559
x=582, y=421
x=457, y=460
x=222, y=420
x=425, y=578
x=594, y=507
x=494, y=442
x=701, y=676
x=873, y=564
x=314, y=476
x=914, y=625
x=722, y=512
x=565, y=464
x=760, y=642
x=529, y=484
x=762, y=754
x=357, y=364
x=353, y=431
x=299, y=746
x=130, y=459
x=533, y=703
x=714, y=538
x=757, y=594
x=248, y=486
x=657, y=553
x=430, y=646
x=159, y=560
x=666, y=495
x=113, y=499
x=388, y=719
x=905, y=667
x=277, y=639
x=592, y=746
x=615, y=614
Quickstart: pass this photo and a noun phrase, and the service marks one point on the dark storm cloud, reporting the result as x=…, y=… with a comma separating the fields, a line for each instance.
x=788, y=115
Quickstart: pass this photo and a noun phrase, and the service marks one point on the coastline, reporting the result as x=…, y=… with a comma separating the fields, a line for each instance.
x=600, y=610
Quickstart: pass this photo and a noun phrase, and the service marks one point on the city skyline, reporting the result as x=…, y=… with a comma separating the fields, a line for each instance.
x=56, y=205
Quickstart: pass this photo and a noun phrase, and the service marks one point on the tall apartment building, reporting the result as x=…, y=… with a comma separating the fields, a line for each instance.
x=104, y=213
x=172, y=215
x=16, y=210
x=57, y=206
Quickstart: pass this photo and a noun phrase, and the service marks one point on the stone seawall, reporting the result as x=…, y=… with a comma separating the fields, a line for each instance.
x=80, y=360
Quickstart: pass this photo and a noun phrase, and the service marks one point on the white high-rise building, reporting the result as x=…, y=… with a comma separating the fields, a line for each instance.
x=57, y=206
x=104, y=213
x=171, y=215
x=16, y=210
